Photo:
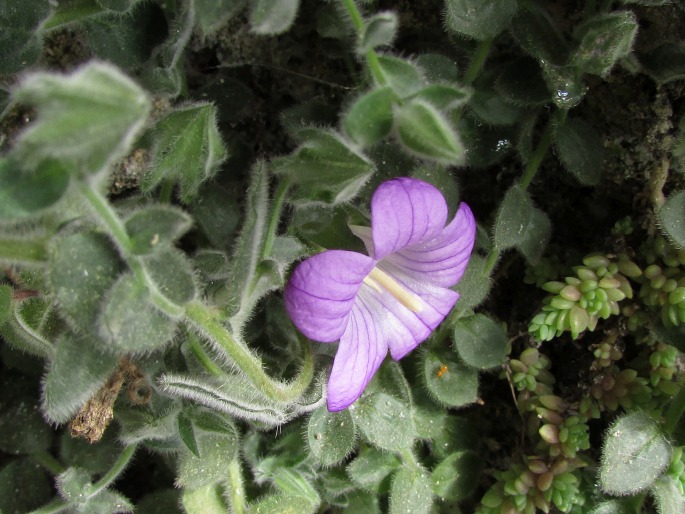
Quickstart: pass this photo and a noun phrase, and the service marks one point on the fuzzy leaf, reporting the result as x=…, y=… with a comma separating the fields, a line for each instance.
x=410, y=492
x=27, y=193
x=537, y=236
x=379, y=30
x=456, y=476
x=385, y=421
x=32, y=327
x=272, y=17
x=481, y=342
x=156, y=226
x=635, y=454
x=537, y=34
x=76, y=373
x=474, y=286
x=479, y=19
x=330, y=435
x=580, y=150
x=666, y=493
x=425, y=132
x=5, y=303
x=116, y=5
x=403, y=76
x=216, y=211
x=292, y=483
x=89, y=117
x=445, y=97
x=521, y=82
x=325, y=168
x=513, y=218
x=26, y=476
x=212, y=15
x=205, y=500
x=22, y=428
x=129, y=321
x=71, y=12
x=19, y=37
x=484, y=145
x=230, y=394
x=370, y=118
x=172, y=273
x=82, y=268
x=604, y=40
x=189, y=149
x=672, y=218
x=371, y=467
x=449, y=382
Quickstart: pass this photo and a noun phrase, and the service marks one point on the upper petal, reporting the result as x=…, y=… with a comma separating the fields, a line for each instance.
x=442, y=260
x=361, y=351
x=404, y=212
x=322, y=291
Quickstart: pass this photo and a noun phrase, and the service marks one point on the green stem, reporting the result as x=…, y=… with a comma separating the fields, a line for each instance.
x=371, y=56
x=276, y=211
x=165, y=191
x=675, y=411
x=409, y=460
x=23, y=251
x=477, y=61
x=236, y=488
x=116, y=470
x=56, y=505
x=202, y=357
x=117, y=231
x=46, y=460
x=205, y=320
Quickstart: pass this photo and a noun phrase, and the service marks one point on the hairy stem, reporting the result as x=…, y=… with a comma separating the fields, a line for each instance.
x=276, y=212
x=202, y=318
x=371, y=56
x=118, y=467
x=236, y=488
x=477, y=61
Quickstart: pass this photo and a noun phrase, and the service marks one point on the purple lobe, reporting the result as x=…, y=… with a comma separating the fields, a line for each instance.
x=322, y=291
x=405, y=211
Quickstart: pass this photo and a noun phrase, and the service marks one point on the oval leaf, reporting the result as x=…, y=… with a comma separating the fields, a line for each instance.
x=480, y=342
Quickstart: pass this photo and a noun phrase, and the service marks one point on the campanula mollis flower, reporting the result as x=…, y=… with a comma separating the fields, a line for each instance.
x=392, y=298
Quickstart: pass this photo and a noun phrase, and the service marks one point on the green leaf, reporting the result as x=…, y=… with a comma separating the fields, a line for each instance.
x=485, y=145
x=187, y=434
x=89, y=118
x=635, y=454
x=379, y=30
x=330, y=435
x=230, y=394
x=672, y=218
x=370, y=118
x=119, y=6
x=474, y=286
x=449, y=382
x=326, y=169
x=371, y=467
x=480, y=342
x=580, y=150
x=216, y=211
x=108, y=501
x=667, y=495
x=70, y=12
x=610, y=507
x=565, y=83
x=385, y=421
x=445, y=97
x=291, y=482
x=27, y=193
x=32, y=327
x=282, y=504
x=189, y=149
x=27, y=477
x=129, y=322
x=82, y=268
x=205, y=500
x=162, y=501
x=479, y=19
x=410, y=492
x=513, y=218
x=403, y=76
x=604, y=40
x=521, y=82
x=537, y=236
x=666, y=62
x=536, y=32
x=77, y=372
x=438, y=68
x=444, y=181
x=212, y=15
x=455, y=434
x=491, y=107
x=156, y=226
x=97, y=458
x=426, y=133
x=19, y=36
x=456, y=476
x=216, y=450
x=22, y=428
x=173, y=275
x=272, y=17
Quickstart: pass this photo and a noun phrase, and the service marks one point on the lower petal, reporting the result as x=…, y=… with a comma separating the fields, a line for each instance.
x=361, y=352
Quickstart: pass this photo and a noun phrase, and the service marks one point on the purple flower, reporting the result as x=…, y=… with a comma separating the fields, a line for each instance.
x=391, y=300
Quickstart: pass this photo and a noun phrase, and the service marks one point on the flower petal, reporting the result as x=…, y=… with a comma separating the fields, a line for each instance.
x=361, y=352
x=442, y=260
x=404, y=212
x=322, y=291
x=403, y=328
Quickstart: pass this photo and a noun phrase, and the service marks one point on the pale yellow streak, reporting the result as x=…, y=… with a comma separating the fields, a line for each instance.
x=377, y=279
